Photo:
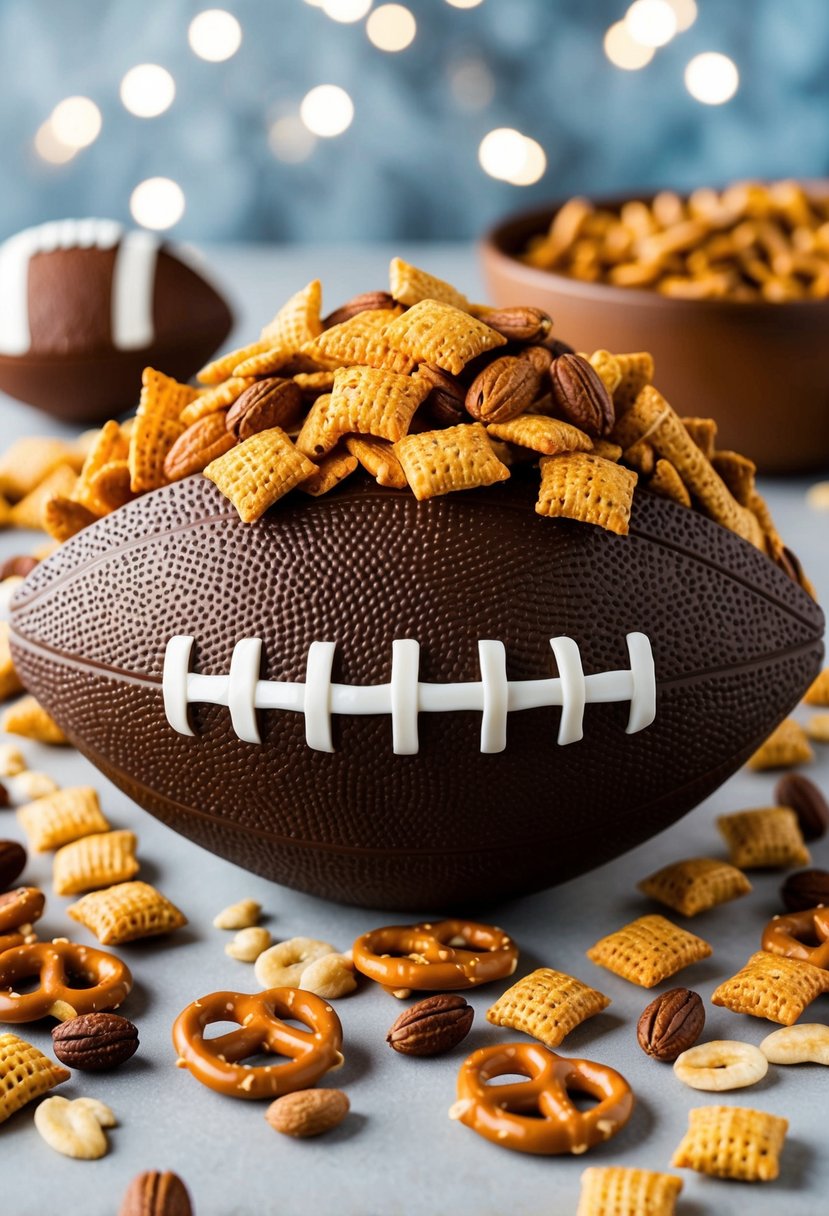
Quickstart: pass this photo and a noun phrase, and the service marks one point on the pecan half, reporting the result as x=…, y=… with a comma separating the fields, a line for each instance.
x=432, y=1026
x=202, y=442
x=268, y=403
x=581, y=396
x=12, y=862
x=806, y=889
x=503, y=389
x=808, y=803
x=445, y=402
x=156, y=1194
x=94, y=1042
x=521, y=323
x=361, y=303
x=671, y=1024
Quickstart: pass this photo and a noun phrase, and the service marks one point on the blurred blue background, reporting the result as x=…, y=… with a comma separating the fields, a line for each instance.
x=236, y=144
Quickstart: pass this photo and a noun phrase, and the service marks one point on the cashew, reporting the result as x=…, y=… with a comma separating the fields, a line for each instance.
x=75, y=1129
x=11, y=760
x=28, y=786
x=243, y=915
x=282, y=966
x=329, y=977
x=248, y=944
x=806, y=1044
x=721, y=1064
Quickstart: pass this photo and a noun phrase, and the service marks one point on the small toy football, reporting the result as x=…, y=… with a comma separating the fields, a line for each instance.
x=407, y=704
x=85, y=305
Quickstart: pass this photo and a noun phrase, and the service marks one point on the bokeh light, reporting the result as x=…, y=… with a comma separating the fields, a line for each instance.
x=651, y=22
x=147, y=90
x=215, y=35
x=290, y=140
x=346, y=11
x=685, y=12
x=464, y=3
x=391, y=27
x=157, y=203
x=712, y=78
x=327, y=110
x=50, y=148
x=511, y=157
x=623, y=52
x=76, y=122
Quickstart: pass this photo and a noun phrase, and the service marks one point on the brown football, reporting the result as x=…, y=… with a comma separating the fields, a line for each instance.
x=406, y=704
x=86, y=305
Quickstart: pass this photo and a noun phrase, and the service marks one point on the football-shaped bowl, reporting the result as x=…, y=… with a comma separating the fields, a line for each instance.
x=412, y=704
x=86, y=305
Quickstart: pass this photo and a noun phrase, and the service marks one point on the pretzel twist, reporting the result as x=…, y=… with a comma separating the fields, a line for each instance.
x=538, y=1115
x=217, y=1063
x=801, y=935
x=58, y=964
x=424, y=956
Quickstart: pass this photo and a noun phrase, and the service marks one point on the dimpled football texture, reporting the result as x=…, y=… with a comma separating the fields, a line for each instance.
x=735, y=644
x=74, y=369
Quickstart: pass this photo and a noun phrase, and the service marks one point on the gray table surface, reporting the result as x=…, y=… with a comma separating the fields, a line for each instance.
x=397, y=1154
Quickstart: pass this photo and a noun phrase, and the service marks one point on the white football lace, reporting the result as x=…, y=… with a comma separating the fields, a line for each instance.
x=404, y=696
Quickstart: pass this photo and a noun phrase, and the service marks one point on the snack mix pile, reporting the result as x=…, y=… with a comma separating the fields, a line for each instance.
x=422, y=390
x=751, y=242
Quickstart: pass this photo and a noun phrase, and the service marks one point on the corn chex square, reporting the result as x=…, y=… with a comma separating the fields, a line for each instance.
x=617, y=1190
x=432, y=332
x=547, y=1004
x=767, y=838
x=648, y=950
x=695, y=885
x=732, y=1142
x=773, y=987
x=457, y=458
x=586, y=488
x=257, y=473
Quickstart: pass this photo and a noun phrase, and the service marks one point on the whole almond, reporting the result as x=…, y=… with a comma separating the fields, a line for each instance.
x=521, y=323
x=308, y=1112
x=580, y=395
x=12, y=862
x=18, y=567
x=268, y=403
x=806, y=889
x=446, y=400
x=432, y=1026
x=156, y=1194
x=365, y=302
x=503, y=389
x=20, y=907
x=807, y=802
x=202, y=442
x=94, y=1042
x=671, y=1024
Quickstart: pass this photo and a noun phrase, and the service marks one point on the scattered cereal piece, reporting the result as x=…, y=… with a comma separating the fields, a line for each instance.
x=10, y=685
x=332, y=469
x=361, y=340
x=11, y=760
x=410, y=285
x=817, y=728
x=608, y=369
x=768, y=838
x=818, y=693
x=126, y=913
x=370, y=401
x=212, y=400
x=584, y=487
x=260, y=471
x=738, y=473
x=667, y=483
x=298, y=320
x=377, y=458
x=62, y=817
x=62, y=518
x=28, y=718
x=547, y=1004
x=785, y=747
x=432, y=332
x=549, y=436
x=648, y=950
x=703, y=431
x=773, y=987
x=25, y=1074
x=637, y=371
x=695, y=885
x=457, y=458
x=28, y=786
x=28, y=513
x=94, y=861
x=617, y=1190
x=222, y=368
x=732, y=1142
x=27, y=463
x=242, y=915
x=109, y=445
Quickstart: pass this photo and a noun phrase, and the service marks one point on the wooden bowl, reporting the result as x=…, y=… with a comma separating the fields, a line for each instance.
x=760, y=369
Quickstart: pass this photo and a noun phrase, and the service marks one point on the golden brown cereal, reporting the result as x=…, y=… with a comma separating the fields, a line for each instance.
x=223, y=367
x=313, y=384
x=608, y=369
x=109, y=445
x=738, y=473
x=410, y=285
x=11, y=760
x=732, y=1142
x=695, y=885
x=29, y=719
x=457, y=458
x=111, y=485
x=213, y=399
x=298, y=320
x=62, y=817
x=28, y=513
x=773, y=987
x=10, y=684
x=360, y=340
x=25, y=1074
x=785, y=747
x=617, y=1190
x=818, y=693
x=99, y=860
x=768, y=838
x=257, y=473
x=703, y=431
x=667, y=483
x=28, y=462
x=549, y=436
x=587, y=488
x=547, y=1004
x=332, y=469
x=369, y=401
x=431, y=332
x=127, y=912
x=265, y=363
x=377, y=458
x=817, y=728
x=607, y=450
x=641, y=456
x=648, y=950
x=63, y=518
x=157, y=427
x=319, y=432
